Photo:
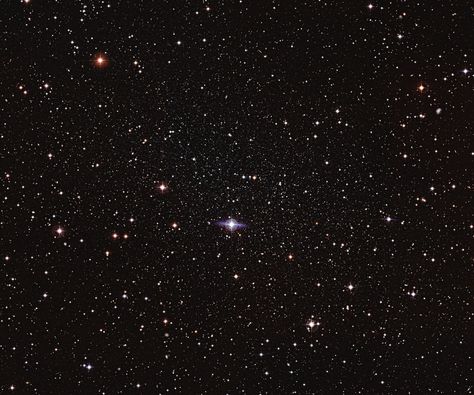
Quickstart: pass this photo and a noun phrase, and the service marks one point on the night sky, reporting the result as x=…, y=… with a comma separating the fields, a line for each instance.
x=239, y=197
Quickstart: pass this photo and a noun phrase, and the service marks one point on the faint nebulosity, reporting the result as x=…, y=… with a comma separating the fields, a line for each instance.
x=237, y=197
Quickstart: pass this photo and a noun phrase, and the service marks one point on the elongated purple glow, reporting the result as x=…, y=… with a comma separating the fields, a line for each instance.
x=231, y=224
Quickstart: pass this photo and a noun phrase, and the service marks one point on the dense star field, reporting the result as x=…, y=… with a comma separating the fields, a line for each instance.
x=254, y=197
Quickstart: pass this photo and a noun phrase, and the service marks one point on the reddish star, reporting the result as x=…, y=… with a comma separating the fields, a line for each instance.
x=100, y=61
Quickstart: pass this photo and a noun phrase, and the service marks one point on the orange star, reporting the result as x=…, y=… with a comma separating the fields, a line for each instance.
x=100, y=60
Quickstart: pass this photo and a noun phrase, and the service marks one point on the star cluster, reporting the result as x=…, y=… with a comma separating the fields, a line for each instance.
x=236, y=197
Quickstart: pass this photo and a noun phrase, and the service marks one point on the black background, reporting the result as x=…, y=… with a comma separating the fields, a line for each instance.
x=320, y=102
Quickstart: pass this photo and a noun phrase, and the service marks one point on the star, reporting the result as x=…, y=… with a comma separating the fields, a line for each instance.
x=100, y=61
x=312, y=325
x=231, y=224
x=59, y=231
x=162, y=187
